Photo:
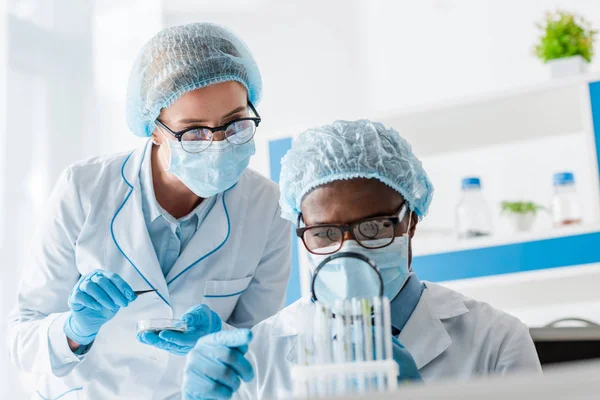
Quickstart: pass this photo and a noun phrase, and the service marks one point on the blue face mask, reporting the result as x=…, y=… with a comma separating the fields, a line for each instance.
x=213, y=170
x=391, y=262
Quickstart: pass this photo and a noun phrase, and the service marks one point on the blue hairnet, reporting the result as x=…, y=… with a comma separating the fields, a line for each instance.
x=352, y=149
x=184, y=58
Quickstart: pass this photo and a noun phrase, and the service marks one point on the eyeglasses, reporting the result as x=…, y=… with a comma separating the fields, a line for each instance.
x=198, y=138
x=371, y=233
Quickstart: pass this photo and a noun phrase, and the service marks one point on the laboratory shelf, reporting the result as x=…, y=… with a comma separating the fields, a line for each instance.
x=480, y=257
x=541, y=110
x=429, y=244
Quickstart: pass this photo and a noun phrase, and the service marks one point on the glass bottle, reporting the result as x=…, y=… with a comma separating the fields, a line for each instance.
x=565, y=204
x=473, y=216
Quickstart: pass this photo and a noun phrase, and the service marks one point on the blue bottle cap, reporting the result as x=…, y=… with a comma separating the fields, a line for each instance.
x=472, y=182
x=564, y=178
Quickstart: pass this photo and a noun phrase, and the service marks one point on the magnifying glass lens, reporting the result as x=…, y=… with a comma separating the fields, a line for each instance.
x=344, y=278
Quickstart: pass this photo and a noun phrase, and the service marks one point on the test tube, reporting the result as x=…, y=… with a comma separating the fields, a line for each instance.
x=348, y=345
x=357, y=330
x=368, y=335
x=387, y=334
x=358, y=336
x=387, y=327
x=368, y=328
x=323, y=348
x=339, y=354
x=329, y=330
x=378, y=332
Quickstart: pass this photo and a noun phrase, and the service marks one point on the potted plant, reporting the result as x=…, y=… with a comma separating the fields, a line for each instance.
x=521, y=214
x=566, y=44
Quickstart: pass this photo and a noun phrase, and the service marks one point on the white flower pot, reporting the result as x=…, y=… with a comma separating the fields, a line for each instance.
x=568, y=66
x=521, y=222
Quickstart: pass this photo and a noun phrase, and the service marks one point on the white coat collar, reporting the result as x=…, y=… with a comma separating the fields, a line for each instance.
x=128, y=226
x=130, y=169
x=424, y=335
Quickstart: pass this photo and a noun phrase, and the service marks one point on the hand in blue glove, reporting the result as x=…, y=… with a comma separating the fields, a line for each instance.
x=201, y=321
x=216, y=365
x=406, y=363
x=94, y=301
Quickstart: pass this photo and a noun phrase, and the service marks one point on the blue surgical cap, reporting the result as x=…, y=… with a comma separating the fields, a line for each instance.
x=181, y=59
x=347, y=150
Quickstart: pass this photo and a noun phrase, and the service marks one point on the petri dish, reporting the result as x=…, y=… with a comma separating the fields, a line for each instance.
x=158, y=325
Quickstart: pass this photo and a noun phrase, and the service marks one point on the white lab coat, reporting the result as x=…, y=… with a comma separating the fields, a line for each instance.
x=449, y=336
x=237, y=263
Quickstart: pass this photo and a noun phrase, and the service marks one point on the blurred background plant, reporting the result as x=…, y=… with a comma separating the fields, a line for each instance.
x=520, y=207
x=565, y=35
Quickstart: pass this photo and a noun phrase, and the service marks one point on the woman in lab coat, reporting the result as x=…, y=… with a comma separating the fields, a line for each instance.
x=352, y=186
x=181, y=215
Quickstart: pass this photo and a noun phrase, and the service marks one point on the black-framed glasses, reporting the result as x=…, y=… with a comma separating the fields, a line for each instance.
x=371, y=233
x=198, y=138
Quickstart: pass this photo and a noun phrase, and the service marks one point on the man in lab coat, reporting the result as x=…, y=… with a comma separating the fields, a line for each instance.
x=357, y=186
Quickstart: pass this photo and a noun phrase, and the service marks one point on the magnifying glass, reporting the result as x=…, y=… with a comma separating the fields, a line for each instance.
x=344, y=276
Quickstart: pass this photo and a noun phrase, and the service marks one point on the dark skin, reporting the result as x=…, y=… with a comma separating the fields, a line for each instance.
x=349, y=201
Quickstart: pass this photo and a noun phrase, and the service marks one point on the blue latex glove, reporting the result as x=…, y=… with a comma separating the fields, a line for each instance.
x=201, y=321
x=94, y=301
x=216, y=365
x=406, y=363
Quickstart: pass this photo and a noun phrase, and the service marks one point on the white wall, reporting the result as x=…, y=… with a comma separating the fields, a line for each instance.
x=49, y=113
x=120, y=29
x=429, y=50
x=5, y=299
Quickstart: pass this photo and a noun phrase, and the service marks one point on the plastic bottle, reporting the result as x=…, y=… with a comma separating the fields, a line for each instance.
x=565, y=204
x=473, y=216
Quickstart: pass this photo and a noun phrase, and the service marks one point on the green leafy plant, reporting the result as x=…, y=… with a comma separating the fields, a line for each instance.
x=565, y=35
x=520, y=207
